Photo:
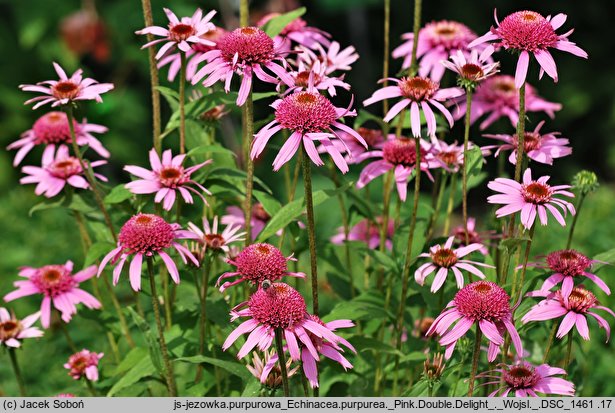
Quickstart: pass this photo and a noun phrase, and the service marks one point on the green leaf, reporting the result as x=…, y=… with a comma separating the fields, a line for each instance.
x=154, y=346
x=143, y=368
x=252, y=389
x=607, y=257
x=270, y=204
x=170, y=95
x=232, y=367
x=47, y=204
x=274, y=26
x=357, y=309
x=364, y=116
x=207, y=149
x=118, y=194
x=97, y=250
x=511, y=244
x=362, y=343
x=237, y=177
x=475, y=161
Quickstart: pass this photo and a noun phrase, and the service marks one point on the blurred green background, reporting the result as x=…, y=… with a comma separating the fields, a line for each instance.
x=31, y=33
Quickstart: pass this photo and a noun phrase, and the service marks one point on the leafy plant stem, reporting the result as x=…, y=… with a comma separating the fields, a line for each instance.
x=153, y=72
x=309, y=205
x=279, y=348
x=466, y=138
x=574, y=220
x=182, y=103
x=475, y=357
x=17, y=371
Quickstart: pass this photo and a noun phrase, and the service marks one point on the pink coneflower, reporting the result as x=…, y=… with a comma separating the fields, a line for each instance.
x=566, y=265
x=367, y=232
x=279, y=306
x=57, y=170
x=312, y=118
x=529, y=32
x=575, y=310
x=445, y=258
x=539, y=147
x=66, y=90
x=437, y=41
x=59, y=286
x=299, y=32
x=146, y=235
x=52, y=129
x=84, y=363
x=166, y=178
x=525, y=380
x=420, y=93
x=181, y=33
x=214, y=240
x=484, y=303
x=474, y=237
x=316, y=77
x=398, y=154
x=327, y=348
x=257, y=263
x=173, y=60
x=13, y=330
x=354, y=151
x=244, y=51
x=267, y=371
x=258, y=221
x=472, y=68
x=497, y=97
x=532, y=197
x=333, y=59
x=448, y=156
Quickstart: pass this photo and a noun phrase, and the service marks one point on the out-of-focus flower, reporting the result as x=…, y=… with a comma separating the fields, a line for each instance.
x=311, y=117
x=84, y=363
x=445, y=258
x=333, y=59
x=279, y=306
x=497, y=97
x=543, y=148
x=257, y=263
x=273, y=378
x=575, y=311
x=421, y=327
x=398, y=154
x=66, y=90
x=483, y=303
x=13, y=330
x=367, y=232
x=216, y=241
x=299, y=32
x=529, y=32
x=52, y=129
x=258, y=221
x=474, y=68
x=437, y=41
x=532, y=197
x=147, y=235
x=84, y=32
x=166, y=178
x=244, y=51
x=450, y=156
x=586, y=182
x=316, y=75
x=420, y=93
x=181, y=34
x=474, y=237
x=57, y=170
x=525, y=379
x=59, y=286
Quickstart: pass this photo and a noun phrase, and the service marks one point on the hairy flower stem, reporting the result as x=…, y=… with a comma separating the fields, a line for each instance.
x=386, y=206
x=244, y=13
x=202, y=289
x=309, y=205
x=387, y=42
x=574, y=220
x=414, y=63
x=91, y=388
x=247, y=112
x=291, y=198
x=568, y=353
x=451, y=203
x=88, y=173
x=518, y=285
x=168, y=367
x=279, y=348
x=182, y=103
x=549, y=343
x=436, y=213
x=69, y=340
x=17, y=371
x=153, y=73
x=475, y=358
x=466, y=138
x=408, y=261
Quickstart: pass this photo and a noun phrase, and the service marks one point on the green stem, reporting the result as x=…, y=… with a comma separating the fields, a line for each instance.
x=386, y=206
x=466, y=138
x=291, y=197
x=568, y=354
x=520, y=134
x=69, y=340
x=387, y=42
x=202, y=292
x=88, y=173
x=346, y=227
x=153, y=72
x=408, y=260
x=248, y=121
x=279, y=348
x=244, y=13
x=574, y=220
x=182, y=103
x=309, y=205
x=414, y=67
x=518, y=286
x=436, y=213
x=475, y=358
x=549, y=343
x=451, y=202
x=91, y=388
x=168, y=367
x=17, y=371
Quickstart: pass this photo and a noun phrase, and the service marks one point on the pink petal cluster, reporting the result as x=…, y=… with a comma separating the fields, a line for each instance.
x=529, y=32
x=445, y=258
x=52, y=129
x=334, y=58
x=66, y=90
x=58, y=169
x=59, y=286
x=299, y=32
x=474, y=237
x=84, y=363
x=367, y=232
x=314, y=77
x=167, y=178
x=532, y=198
x=258, y=221
x=13, y=330
x=473, y=67
x=525, y=380
x=543, y=148
x=212, y=239
x=144, y=236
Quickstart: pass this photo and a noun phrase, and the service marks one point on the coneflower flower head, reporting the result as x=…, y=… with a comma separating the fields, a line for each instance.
x=12, y=330
x=84, y=363
x=525, y=379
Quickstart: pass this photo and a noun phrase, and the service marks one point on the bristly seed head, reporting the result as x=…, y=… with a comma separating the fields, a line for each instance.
x=259, y=262
x=580, y=300
x=483, y=300
x=65, y=168
x=146, y=234
x=401, y=151
x=568, y=262
x=65, y=89
x=521, y=376
x=526, y=31
x=53, y=128
x=305, y=112
x=444, y=257
x=173, y=176
x=180, y=31
x=279, y=306
x=418, y=88
x=251, y=45
x=536, y=193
